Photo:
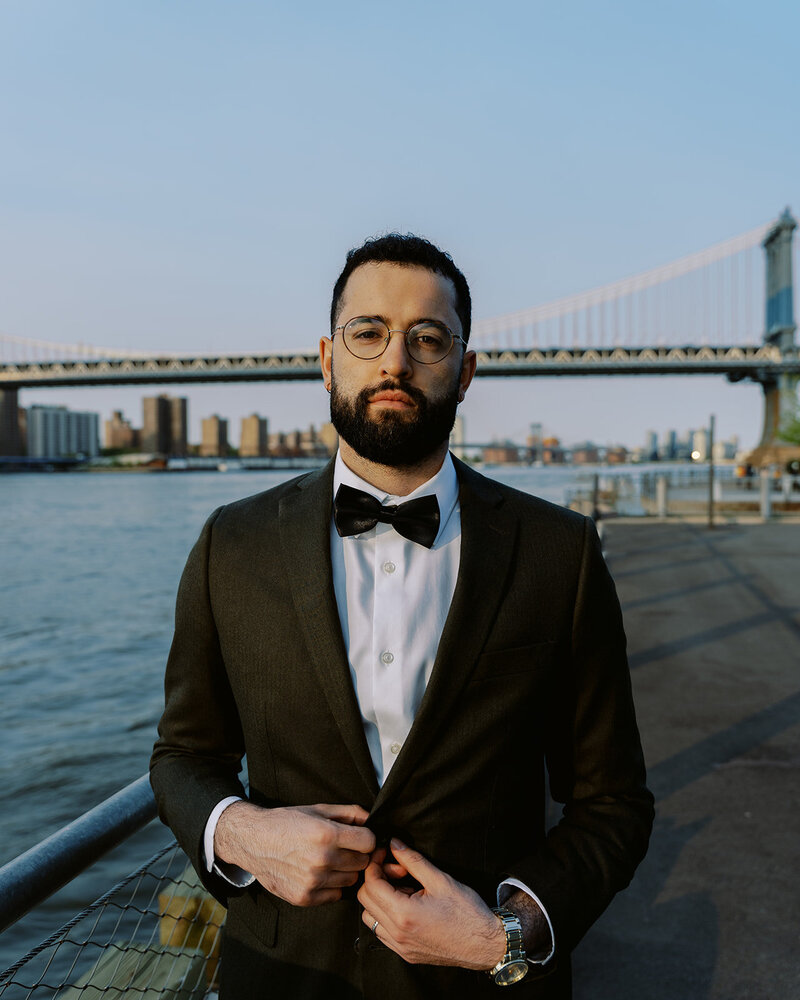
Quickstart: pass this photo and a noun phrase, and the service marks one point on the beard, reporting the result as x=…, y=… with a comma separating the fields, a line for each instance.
x=390, y=437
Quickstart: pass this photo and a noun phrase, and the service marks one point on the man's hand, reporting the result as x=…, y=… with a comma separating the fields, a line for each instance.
x=443, y=923
x=304, y=854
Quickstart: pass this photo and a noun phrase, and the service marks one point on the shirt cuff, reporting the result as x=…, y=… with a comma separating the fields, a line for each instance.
x=504, y=891
x=231, y=873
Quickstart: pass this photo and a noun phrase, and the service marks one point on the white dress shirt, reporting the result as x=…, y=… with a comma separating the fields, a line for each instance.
x=393, y=597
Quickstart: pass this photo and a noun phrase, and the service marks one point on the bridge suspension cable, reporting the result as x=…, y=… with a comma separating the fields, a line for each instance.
x=711, y=296
x=26, y=349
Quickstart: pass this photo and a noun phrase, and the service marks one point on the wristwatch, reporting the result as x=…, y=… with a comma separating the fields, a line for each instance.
x=512, y=966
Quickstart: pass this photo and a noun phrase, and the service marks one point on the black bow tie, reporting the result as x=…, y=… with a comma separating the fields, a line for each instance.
x=355, y=511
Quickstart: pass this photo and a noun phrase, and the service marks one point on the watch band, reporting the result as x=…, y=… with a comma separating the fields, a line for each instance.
x=513, y=966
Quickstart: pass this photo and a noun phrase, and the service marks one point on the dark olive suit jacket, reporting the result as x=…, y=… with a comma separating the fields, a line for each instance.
x=530, y=679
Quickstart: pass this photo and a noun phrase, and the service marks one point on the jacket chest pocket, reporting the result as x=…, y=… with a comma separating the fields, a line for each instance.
x=537, y=660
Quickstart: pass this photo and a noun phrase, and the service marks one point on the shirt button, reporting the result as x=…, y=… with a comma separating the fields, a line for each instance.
x=389, y=567
x=387, y=657
x=395, y=747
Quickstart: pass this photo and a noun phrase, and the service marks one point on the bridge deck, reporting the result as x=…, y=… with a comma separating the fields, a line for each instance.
x=761, y=361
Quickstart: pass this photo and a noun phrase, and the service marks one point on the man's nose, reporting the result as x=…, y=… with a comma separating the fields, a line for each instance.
x=395, y=360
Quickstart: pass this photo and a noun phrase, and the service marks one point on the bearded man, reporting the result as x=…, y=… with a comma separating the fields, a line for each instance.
x=402, y=649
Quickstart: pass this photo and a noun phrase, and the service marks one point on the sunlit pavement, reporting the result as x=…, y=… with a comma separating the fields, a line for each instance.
x=713, y=623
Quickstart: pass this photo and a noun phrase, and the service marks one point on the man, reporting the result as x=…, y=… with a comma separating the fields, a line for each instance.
x=400, y=678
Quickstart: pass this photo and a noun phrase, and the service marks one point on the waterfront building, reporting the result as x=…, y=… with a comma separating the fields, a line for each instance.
x=457, y=437
x=726, y=450
x=119, y=434
x=292, y=442
x=214, y=443
x=11, y=436
x=309, y=443
x=277, y=443
x=501, y=453
x=254, y=440
x=179, y=429
x=669, y=446
x=700, y=445
x=329, y=438
x=23, y=430
x=585, y=453
x=552, y=452
x=56, y=432
x=617, y=454
x=651, y=446
x=534, y=442
x=164, y=425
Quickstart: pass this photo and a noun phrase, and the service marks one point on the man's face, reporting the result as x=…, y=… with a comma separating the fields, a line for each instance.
x=393, y=410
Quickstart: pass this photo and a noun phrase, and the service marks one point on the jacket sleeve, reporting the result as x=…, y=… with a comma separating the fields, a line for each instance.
x=595, y=766
x=197, y=757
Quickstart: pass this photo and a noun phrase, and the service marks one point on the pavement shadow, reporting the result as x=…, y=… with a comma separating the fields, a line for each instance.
x=647, y=950
x=672, y=595
x=716, y=633
x=696, y=761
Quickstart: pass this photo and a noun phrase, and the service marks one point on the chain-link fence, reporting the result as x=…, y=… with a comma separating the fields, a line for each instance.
x=155, y=934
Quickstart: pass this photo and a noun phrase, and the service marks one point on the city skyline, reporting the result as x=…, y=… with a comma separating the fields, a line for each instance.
x=570, y=431
x=165, y=421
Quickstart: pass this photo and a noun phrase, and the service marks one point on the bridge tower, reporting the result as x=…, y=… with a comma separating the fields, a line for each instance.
x=781, y=393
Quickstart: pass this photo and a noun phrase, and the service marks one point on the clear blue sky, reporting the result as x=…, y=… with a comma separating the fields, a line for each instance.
x=188, y=175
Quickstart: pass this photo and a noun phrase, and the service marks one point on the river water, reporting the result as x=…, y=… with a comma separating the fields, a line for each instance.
x=89, y=567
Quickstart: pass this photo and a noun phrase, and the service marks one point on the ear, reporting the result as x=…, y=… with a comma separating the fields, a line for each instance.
x=468, y=365
x=325, y=359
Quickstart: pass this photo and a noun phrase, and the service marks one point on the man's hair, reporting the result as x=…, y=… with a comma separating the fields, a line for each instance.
x=411, y=251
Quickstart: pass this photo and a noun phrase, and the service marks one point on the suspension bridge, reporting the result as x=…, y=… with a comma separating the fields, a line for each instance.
x=722, y=310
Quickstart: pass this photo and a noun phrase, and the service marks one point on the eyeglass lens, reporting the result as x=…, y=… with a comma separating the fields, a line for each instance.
x=426, y=342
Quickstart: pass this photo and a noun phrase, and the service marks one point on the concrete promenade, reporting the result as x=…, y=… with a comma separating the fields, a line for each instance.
x=713, y=623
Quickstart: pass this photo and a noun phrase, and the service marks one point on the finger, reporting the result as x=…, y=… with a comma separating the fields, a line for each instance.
x=394, y=870
x=338, y=879
x=347, y=861
x=379, y=896
x=374, y=872
x=426, y=873
x=355, y=838
x=375, y=907
x=352, y=815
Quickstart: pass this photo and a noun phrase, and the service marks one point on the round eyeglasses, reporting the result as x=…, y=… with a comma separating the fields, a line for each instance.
x=427, y=341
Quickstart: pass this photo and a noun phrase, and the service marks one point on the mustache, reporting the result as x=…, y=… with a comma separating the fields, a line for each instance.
x=389, y=385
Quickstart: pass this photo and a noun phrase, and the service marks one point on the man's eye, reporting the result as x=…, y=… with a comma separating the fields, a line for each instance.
x=429, y=338
x=366, y=333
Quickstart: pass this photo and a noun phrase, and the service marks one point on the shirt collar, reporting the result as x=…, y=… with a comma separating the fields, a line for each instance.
x=444, y=485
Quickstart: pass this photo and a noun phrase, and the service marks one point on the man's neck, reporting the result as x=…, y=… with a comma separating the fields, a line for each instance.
x=397, y=481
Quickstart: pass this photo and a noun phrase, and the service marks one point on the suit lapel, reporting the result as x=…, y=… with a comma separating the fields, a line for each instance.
x=304, y=518
x=488, y=534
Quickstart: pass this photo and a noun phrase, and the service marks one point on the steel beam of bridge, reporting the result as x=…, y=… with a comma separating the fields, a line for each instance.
x=762, y=363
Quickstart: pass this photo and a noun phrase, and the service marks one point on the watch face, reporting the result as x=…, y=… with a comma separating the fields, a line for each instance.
x=511, y=973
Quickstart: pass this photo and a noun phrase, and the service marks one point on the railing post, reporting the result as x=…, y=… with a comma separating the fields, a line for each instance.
x=661, y=496
x=766, y=493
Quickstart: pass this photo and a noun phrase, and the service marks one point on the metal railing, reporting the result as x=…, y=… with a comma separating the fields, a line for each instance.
x=29, y=879
x=154, y=934
x=686, y=491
